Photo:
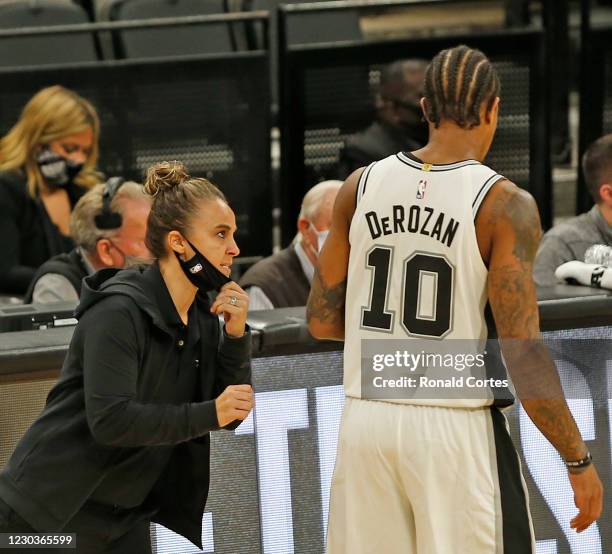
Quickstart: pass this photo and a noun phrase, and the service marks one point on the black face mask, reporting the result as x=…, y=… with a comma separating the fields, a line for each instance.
x=201, y=272
x=58, y=171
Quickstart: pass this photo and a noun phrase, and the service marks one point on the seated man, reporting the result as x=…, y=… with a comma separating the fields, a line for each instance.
x=283, y=279
x=108, y=226
x=571, y=239
x=399, y=123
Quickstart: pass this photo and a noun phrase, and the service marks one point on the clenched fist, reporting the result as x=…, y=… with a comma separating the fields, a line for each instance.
x=234, y=403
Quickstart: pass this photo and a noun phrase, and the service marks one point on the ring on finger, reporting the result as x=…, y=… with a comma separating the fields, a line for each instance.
x=233, y=300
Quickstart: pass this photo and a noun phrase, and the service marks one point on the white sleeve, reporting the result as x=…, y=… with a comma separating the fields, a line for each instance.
x=53, y=287
x=258, y=300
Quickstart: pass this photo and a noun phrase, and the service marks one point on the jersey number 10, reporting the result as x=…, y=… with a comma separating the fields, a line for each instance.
x=427, y=294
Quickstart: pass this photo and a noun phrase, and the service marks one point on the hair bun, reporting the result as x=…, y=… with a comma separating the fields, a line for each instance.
x=164, y=176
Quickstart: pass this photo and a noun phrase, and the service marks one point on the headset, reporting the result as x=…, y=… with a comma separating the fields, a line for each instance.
x=107, y=219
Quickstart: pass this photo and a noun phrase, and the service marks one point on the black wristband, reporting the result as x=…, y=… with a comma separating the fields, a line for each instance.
x=578, y=464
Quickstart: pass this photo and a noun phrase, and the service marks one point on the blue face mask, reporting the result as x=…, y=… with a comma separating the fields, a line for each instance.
x=201, y=272
x=57, y=171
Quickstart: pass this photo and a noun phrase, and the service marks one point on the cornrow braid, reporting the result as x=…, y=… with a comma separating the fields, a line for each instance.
x=439, y=81
x=470, y=68
x=429, y=85
x=453, y=66
x=457, y=82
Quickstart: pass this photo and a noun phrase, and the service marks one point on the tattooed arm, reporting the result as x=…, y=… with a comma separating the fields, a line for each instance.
x=325, y=310
x=511, y=217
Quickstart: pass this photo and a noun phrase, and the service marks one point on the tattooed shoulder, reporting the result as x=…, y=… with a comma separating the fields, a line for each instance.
x=517, y=209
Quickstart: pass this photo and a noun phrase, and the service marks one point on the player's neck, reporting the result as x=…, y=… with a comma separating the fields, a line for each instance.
x=450, y=143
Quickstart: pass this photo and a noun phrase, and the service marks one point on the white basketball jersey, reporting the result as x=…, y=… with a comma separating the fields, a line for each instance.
x=415, y=270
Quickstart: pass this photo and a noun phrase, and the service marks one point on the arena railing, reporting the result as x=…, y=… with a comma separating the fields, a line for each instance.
x=270, y=478
x=327, y=93
x=149, y=23
x=209, y=111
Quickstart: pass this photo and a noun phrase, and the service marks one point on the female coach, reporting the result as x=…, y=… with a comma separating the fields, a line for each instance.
x=124, y=437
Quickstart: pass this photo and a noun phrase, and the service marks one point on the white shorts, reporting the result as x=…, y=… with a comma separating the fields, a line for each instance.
x=429, y=480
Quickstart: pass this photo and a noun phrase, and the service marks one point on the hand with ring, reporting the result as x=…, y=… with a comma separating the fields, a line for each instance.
x=233, y=303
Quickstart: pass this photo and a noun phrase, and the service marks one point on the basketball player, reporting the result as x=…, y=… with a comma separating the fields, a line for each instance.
x=440, y=476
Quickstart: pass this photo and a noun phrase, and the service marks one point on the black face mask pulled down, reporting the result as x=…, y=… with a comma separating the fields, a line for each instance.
x=201, y=272
x=58, y=171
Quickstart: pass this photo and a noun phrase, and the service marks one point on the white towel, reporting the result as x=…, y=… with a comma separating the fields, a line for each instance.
x=591, y=275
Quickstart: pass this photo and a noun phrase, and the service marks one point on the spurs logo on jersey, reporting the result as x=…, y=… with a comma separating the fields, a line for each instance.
x=415, y=270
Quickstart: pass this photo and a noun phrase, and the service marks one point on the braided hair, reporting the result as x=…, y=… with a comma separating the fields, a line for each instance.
x=457, y=82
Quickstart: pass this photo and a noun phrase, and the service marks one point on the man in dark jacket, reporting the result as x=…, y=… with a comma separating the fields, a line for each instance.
x=399, y=124
x=283, y=279
x=127, y=441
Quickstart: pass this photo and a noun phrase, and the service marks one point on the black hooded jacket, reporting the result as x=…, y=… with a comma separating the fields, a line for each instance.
x=116, y=406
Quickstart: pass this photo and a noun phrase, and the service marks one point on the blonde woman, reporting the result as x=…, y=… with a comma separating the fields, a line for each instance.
x=47, y=162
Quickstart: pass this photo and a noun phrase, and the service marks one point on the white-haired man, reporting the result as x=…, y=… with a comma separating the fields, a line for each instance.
x=283, y=279
x=108, y=225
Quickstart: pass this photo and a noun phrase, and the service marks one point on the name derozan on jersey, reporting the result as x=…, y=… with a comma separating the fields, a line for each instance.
x=422, y=220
